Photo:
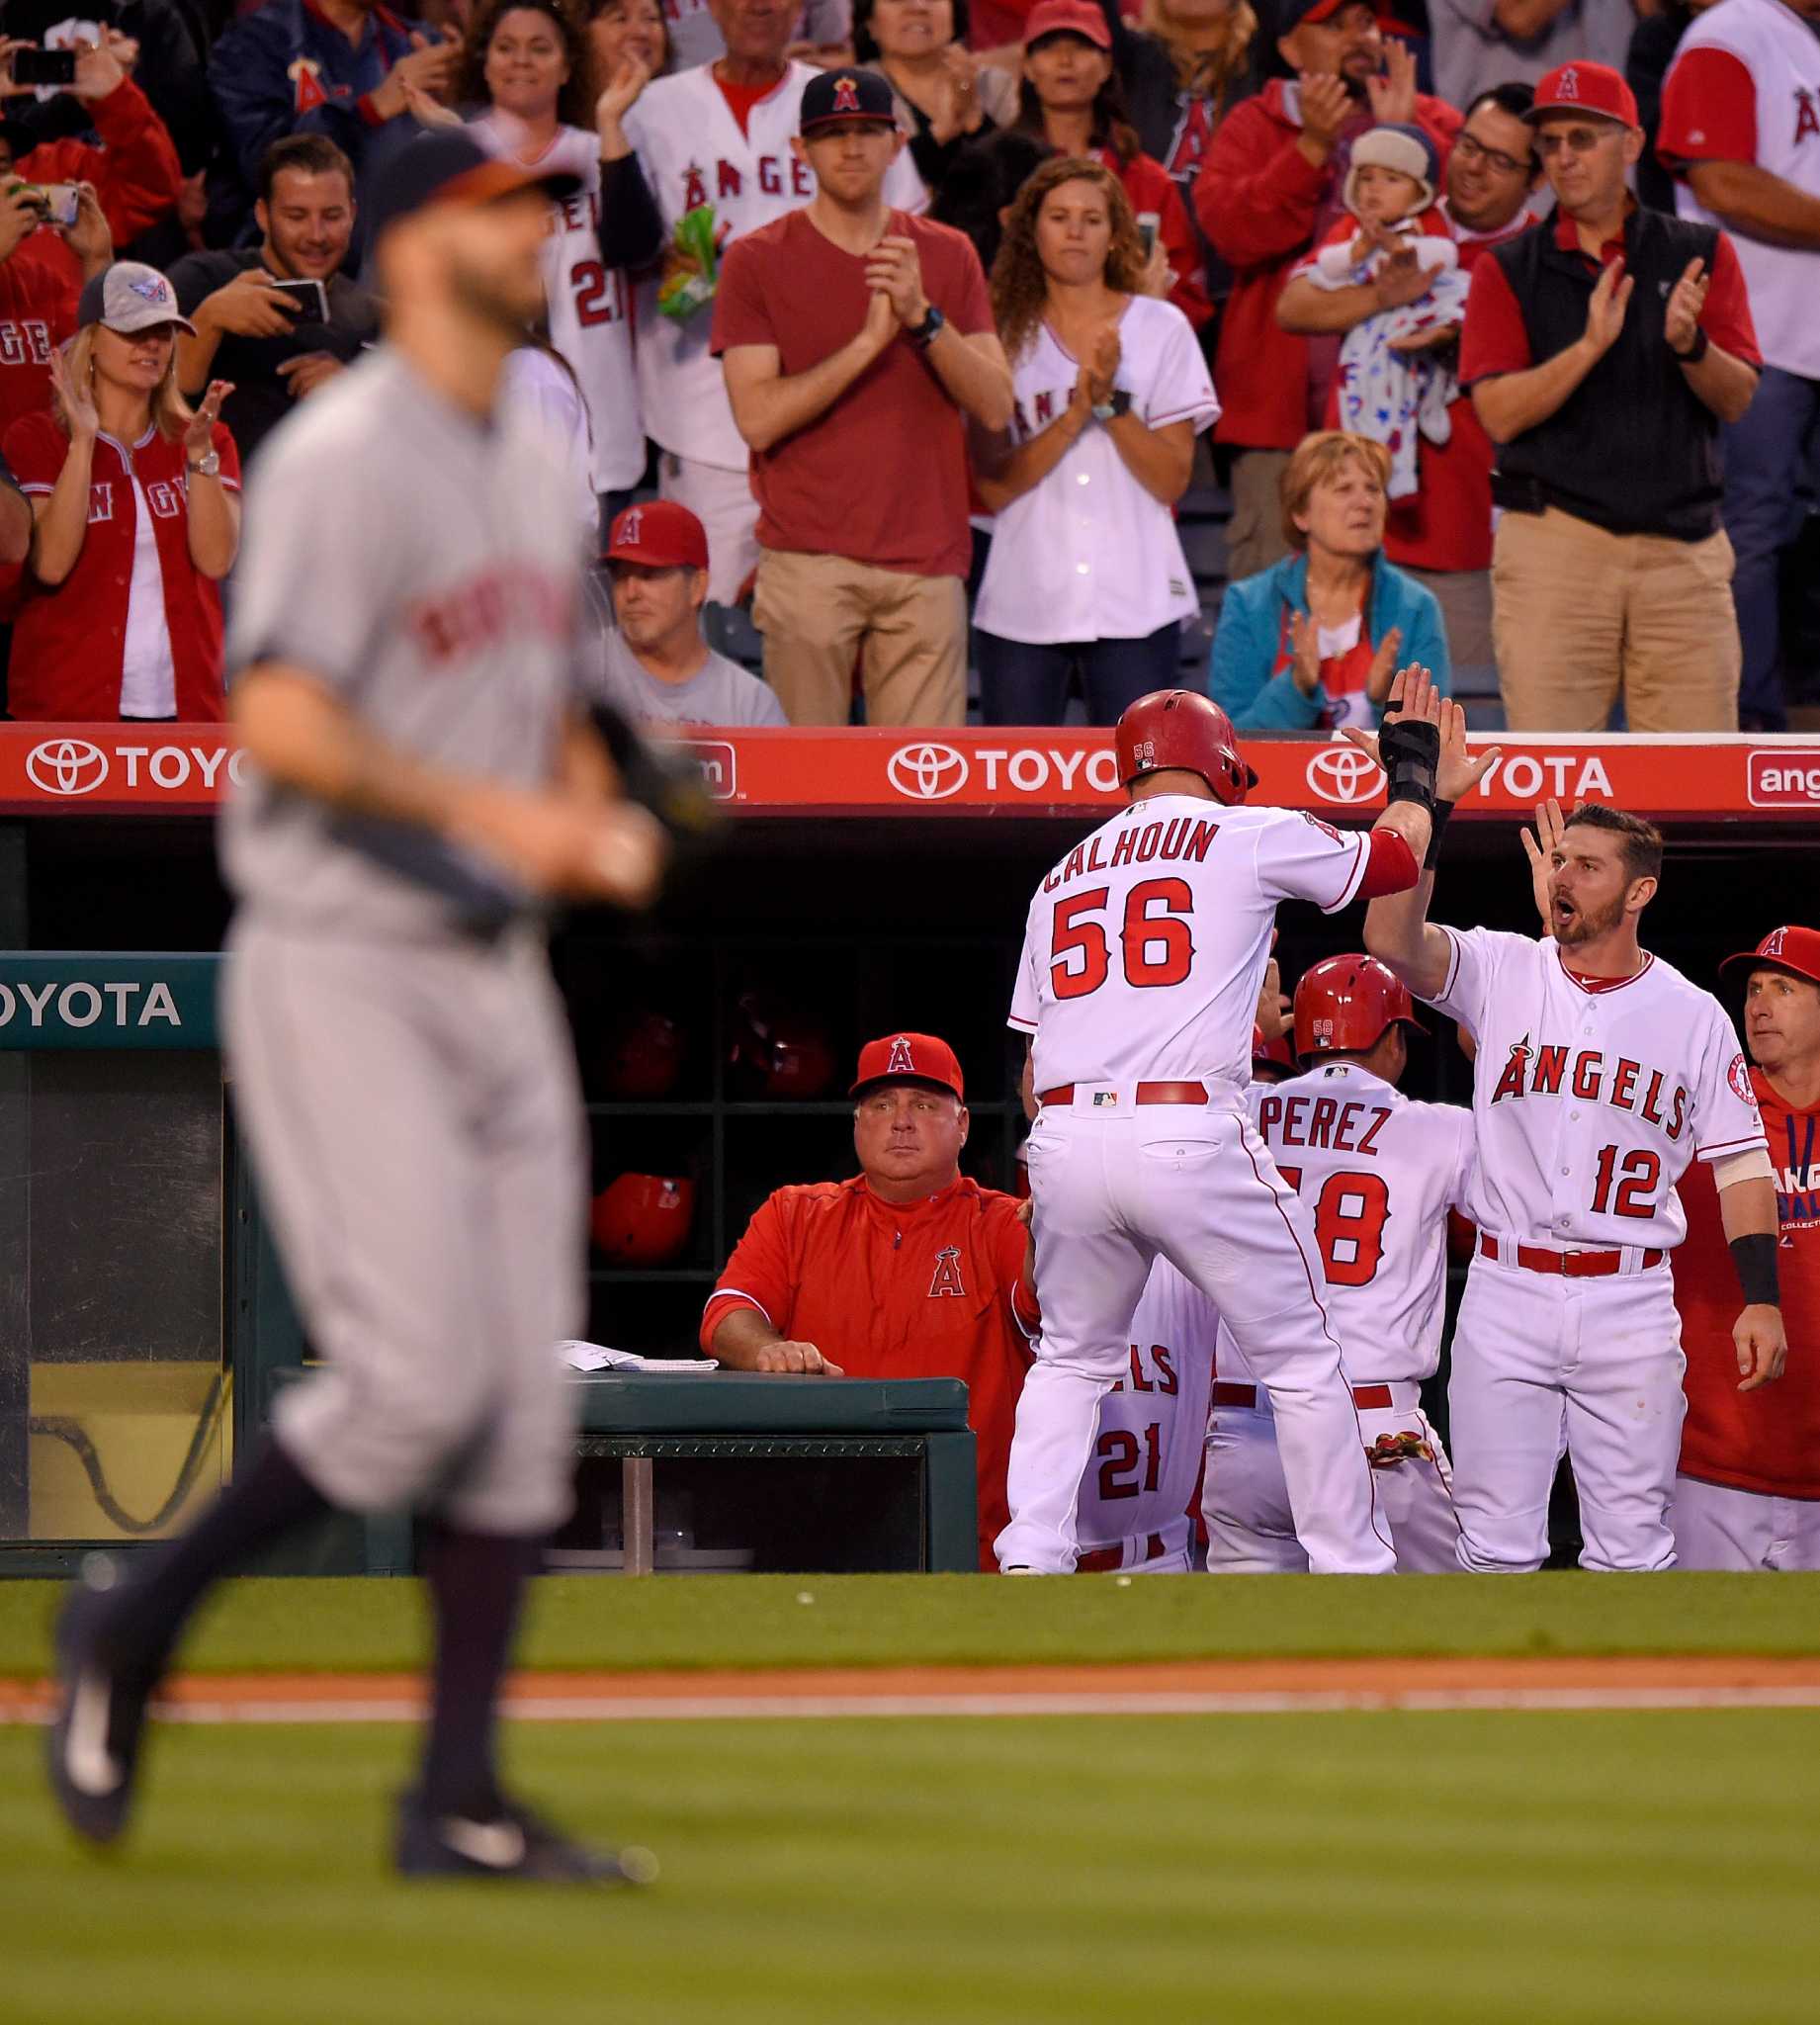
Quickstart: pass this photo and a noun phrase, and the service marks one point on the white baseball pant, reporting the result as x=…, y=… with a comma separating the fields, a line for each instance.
x=1251, y=1529
x=722, y=500
x=1544, y=1366
x=1744, y=1531
x=1114, y=1184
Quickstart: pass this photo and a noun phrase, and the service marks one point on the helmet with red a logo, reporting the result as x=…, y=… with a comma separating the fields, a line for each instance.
x=644, y=1219
x=1180, y=728
x=1344, y=1005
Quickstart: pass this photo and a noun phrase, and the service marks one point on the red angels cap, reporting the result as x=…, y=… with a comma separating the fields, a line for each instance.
x=661, y=534
x=908, y=1058
x=1069, y=18
x=1586, y=88
x=1792, y=949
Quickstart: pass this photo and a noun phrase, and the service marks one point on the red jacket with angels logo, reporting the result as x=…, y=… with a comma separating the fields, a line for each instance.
x=928, y=1289
x=69, y=641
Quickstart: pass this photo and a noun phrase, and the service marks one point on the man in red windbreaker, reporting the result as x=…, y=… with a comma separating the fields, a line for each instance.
x=908, y=1270
x=1269, y=187
x=1747, y=1495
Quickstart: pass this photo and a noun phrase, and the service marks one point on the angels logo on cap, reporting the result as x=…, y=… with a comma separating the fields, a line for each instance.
x=628, y=526
x=1567, y=85
x=901, y=1063
x=846, y=95
x=1772, y=944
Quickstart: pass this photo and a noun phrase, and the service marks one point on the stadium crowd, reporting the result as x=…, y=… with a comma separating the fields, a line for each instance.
x=1492, y=319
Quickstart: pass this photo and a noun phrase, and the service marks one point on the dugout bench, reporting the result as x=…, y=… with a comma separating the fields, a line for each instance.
x=145, y=1329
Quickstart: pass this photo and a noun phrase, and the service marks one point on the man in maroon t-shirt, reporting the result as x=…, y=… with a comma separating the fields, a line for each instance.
x=855, y=340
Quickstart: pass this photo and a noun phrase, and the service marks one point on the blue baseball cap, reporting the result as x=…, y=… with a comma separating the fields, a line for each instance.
x=447, y=165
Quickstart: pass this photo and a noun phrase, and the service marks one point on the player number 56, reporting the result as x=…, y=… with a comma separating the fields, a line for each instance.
x=1155, y=944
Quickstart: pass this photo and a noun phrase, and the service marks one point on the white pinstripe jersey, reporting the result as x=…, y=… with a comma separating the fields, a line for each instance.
x=1588, y=1104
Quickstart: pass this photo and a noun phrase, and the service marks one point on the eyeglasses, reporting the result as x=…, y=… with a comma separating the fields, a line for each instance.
x=1470, y=151
x=1574, y=140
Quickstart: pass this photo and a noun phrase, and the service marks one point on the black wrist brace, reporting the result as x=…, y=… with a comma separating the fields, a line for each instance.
x=1409, y=754
x=1755, y=1259
x=1437, y=821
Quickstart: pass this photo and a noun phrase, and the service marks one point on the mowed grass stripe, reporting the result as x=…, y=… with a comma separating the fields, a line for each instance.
x=580, y=1621
x=1497, y=1869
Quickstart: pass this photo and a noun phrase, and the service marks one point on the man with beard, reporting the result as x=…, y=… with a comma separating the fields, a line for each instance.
x=1748, y=1492
x=1599, y=1074
x=273, y=344
x=659, y=667
x=1441, y=534
x=1269, y=187
x=421, y=781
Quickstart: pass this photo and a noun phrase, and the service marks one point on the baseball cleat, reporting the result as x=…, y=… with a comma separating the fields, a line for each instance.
x=514, y=1843
x=95, y=1737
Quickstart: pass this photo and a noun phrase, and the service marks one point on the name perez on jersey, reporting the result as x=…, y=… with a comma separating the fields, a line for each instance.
x=1321, y=1121
x=1546, y=1071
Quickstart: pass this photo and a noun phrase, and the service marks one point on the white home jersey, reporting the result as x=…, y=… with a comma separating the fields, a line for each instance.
x=1590, y=1101
x=1144, y=947
x=1379, y=1175
x=1778, y=101
x=692, y=152
x=1153, y=1424
x=1089, y=554
x=590, y=304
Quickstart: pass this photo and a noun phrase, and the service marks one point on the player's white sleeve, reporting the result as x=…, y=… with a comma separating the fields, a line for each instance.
x=1726, y=1119
x=1180, y=388
x=1024, y=1002
x=1473, y=960
x=1300, y=857
x=1465, y=1144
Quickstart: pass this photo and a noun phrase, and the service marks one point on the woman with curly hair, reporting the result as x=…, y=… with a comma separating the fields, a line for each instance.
x=531, y=64
x=1086, y=571
x=1071, y=98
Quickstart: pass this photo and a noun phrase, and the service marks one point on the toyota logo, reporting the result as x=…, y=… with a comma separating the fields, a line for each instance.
x=927, y=773
x=66, y=766
x=1344, y=774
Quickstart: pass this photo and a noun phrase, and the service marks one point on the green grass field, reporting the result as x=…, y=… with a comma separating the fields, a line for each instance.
x=1629, y=1869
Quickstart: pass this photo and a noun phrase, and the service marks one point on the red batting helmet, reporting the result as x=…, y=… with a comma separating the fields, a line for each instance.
x=1344, y=1005
x=1272, y=1060
x=644, y=1219
x=778, y=1050
x=640, y=1055
x=1182, y=728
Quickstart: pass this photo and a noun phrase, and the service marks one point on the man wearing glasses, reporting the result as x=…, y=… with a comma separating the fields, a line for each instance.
x=1603, y=352
x=1441, y=534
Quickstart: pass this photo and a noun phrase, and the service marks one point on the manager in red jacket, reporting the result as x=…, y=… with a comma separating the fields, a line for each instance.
x=137, y=506
x=911, y=1270
x=1269, y=186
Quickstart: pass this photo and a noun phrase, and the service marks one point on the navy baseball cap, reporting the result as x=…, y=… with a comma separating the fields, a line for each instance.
x=840, y=96
x=447, y=165
x=128, y=297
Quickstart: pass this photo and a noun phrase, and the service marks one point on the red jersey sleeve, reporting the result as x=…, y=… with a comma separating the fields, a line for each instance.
x=1726, y=316
x=1709, y=111
x=35, y=449
x=1011, y=1238
x=1494, y=339
x=741, y=313
x=757, y=1274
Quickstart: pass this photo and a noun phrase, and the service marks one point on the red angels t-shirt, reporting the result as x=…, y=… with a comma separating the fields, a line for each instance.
x=881, y=475
x=925, y=1290
x=1766, y=1441
x=69, y=640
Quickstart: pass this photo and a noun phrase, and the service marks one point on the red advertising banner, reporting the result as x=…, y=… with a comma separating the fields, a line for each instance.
x=180, y=769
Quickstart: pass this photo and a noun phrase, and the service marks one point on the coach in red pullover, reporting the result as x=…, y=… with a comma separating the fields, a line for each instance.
x=1268, y=187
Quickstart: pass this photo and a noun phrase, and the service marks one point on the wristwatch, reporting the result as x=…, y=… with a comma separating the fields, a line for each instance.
x=209, y=467
x=1110, y=411
x=1697, y=351
x=928, y=330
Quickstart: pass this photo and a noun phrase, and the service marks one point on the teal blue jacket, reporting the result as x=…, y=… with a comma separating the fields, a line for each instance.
x=1249, y=642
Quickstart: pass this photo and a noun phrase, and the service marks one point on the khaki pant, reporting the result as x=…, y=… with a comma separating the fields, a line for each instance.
x=1254, y=533
x=910, y=632
x=1579, y=613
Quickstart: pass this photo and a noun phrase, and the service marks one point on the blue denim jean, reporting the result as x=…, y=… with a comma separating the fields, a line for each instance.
x=1021, y=683
x=1771, y=479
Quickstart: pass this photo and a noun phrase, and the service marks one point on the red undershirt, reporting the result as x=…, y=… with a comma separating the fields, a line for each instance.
x=741, y=98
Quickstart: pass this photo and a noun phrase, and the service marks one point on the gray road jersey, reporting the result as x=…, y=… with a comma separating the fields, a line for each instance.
x=424, y=567
x=722, y=693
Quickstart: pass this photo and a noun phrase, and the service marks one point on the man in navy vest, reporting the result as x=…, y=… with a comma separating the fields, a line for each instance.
x=1603, y=348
